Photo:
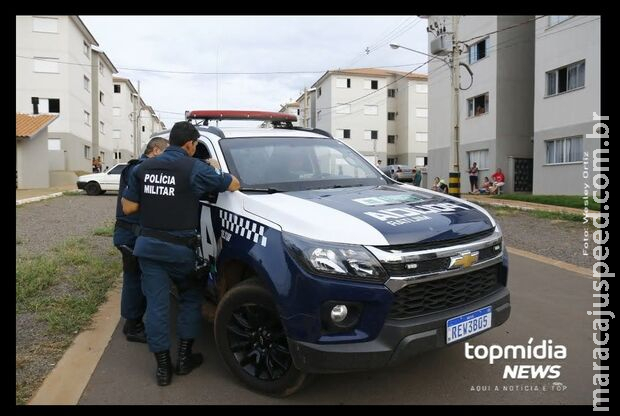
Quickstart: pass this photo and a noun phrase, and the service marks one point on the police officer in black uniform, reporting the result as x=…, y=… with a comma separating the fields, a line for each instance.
x=133, y=302
x=166, y=191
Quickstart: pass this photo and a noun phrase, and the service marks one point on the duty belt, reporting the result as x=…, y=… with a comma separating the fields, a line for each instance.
x=191, y=242
x=134, y=228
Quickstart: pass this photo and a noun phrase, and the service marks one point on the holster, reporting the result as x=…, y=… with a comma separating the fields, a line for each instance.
x=130, y=262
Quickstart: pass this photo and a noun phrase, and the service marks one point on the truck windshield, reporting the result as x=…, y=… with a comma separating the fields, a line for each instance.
x=294, y=164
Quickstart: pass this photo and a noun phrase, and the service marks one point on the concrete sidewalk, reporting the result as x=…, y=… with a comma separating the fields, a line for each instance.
x=24, y=196
x=526, y=206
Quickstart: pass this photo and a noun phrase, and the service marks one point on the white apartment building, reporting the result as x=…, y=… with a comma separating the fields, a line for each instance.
x=102, y=73
x=567, y=92
x=292, y=108
x=149, y=124
x=124, y=126
x=495, y=105
x=47, y=83
x=380, y=113
x=307, y=108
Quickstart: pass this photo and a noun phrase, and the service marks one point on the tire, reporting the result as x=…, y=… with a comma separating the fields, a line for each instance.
x=92, y=188
x=252, y=342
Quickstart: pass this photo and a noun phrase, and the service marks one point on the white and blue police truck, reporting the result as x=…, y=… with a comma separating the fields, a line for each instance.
x=321, y=263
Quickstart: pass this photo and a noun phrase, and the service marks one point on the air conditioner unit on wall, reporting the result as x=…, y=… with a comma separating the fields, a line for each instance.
x=442, y=44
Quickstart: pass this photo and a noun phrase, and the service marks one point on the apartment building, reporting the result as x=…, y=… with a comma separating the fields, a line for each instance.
x=380, y=113
x=496, y=117
x=292, y=108
x=46, y=83
x=567, y=92
x=307, y=108
x=149, y=123
x=125, y=109
x=102, y=72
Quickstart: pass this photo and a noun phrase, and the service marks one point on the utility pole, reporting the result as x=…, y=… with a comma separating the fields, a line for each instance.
x=454, y=180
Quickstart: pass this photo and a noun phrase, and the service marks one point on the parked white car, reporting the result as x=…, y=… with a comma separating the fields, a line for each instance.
x=99, y=183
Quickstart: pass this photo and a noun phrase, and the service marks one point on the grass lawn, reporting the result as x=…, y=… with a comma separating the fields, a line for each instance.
x=571, y=201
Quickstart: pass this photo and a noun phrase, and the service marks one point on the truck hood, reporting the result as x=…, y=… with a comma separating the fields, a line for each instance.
x=91, y=177
x=371, y=215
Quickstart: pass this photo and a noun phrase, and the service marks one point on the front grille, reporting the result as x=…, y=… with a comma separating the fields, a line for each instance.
x=436, y=295
x=429, y=245
x=432, y=266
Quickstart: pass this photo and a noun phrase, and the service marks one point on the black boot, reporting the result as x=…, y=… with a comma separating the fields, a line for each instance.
x=134, y=330
x=164, y=368
x=187, y=361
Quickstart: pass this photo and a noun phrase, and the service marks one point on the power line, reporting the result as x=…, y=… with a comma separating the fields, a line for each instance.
x=48, y=59
x=501, y=30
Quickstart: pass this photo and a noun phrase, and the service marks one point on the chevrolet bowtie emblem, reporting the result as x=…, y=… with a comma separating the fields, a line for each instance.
x=463, y=260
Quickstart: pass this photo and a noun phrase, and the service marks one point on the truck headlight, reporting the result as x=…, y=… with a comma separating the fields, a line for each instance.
x=345, y=261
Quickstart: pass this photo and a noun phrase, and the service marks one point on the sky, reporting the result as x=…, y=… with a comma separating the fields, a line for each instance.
x=212, y=48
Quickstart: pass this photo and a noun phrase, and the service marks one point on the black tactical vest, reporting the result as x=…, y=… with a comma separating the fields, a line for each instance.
x=133, y=218
x=166, y=198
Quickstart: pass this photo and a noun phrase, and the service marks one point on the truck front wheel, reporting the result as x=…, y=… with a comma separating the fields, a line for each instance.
x=252, y=342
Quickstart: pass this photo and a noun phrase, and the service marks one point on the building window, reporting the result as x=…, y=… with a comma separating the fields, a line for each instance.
x=391, y=115
x=421, y=112
x=391, y=92
x=116, y=111
x=45, y=105
x=117, y=88
x=421, y=161
x=86, y=118
x=554, y=20
x=343, y=82
x=319, y=92
x=298, y=111
x=421, y=88
x=86, y=83
x=392, y=160
x=566, y=78
x=371, y=134
x=86, y=49
x=101, y=127
x=102, y=154
x=318, y=115
x=101, y=67
x=481, y=157
x=45, y=65
x=87, y=152
x=143, y=129
x=565, y=150
x=478, y=105
x=117, y=155
x=421, y=136
x=101, y=97
x=479, y=50
x=53, y=144
x=343, y=133
x=343, y=109
x=391, y=138
x=45, y=24
x=371, y=84
x=371, y=110
x=116, y=134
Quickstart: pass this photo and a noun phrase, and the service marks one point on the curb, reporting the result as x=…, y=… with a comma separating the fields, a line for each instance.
x=37, y=198
x=541, y=207
x=67, y=381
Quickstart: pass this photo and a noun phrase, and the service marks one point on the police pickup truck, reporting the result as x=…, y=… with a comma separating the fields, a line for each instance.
x=321, y=263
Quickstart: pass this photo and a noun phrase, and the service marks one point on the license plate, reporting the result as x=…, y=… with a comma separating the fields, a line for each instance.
x=471, y=323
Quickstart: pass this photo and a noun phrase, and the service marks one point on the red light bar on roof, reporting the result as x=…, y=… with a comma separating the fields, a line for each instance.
x=239, y=115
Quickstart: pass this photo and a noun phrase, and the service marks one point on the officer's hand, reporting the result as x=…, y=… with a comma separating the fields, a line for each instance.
x=234, y=184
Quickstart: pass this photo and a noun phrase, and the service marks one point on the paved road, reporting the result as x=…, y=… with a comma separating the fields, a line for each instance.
x=548, y=303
